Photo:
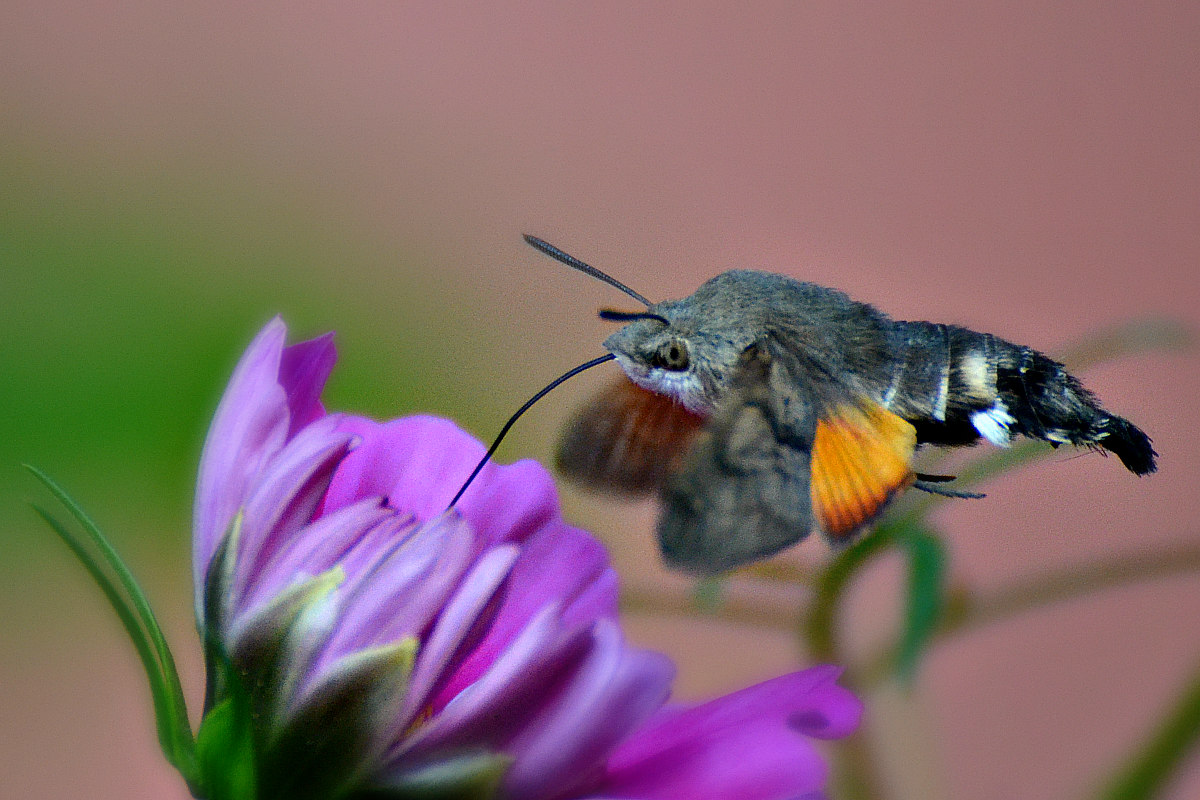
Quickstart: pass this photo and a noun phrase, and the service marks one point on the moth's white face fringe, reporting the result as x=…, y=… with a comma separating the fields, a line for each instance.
x=683, y=387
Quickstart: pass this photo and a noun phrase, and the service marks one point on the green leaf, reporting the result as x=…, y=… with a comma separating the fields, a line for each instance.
x=926, y=598
x=225, y=751
x=179, y=749
x=129, y=621
x=1150, y=770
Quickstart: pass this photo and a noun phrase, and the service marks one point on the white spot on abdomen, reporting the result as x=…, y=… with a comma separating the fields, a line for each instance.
x=976, y=374
x=993, y=423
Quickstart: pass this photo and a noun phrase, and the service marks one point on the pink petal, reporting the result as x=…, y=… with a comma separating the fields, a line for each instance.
x=303, y=371
x=559, y=563
x=419, y=463
x=285, y=499
x=502, y=703
x=613, y=692
x=511, y=502
x=416, y=462
x=401, y=593
x=318, y=547
x=273, y=392
x=460, y=625
x=250, y=425
x=685, y=752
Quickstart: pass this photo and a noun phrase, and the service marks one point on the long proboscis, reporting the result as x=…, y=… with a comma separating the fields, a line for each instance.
x=571, y=261
x=528, y=404
x=574, y=263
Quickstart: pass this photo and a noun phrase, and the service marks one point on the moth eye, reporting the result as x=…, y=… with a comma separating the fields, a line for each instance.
x=673, y=356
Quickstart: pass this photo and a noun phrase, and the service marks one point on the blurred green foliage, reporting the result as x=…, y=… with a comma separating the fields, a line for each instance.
x=123, y=308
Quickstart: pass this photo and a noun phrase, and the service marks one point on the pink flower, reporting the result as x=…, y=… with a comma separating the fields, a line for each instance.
x=378, y=644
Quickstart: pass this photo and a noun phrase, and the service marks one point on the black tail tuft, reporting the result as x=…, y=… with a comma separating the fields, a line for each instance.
x=1049, y=403
x=1127, y=442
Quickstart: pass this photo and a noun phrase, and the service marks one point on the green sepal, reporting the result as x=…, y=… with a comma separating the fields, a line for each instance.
x=267, y=649
x=321, y=748
x=211, y=615
x=219, y=577
x=467, y=777
x=225, y=750
x=926, y=598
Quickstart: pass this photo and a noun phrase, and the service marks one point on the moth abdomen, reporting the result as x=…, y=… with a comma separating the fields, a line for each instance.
x=942, y=374
x=1129, y=443
x=1047, y=402
x=956, y=385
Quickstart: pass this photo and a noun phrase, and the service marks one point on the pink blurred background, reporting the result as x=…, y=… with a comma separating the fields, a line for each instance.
x=1024, y=169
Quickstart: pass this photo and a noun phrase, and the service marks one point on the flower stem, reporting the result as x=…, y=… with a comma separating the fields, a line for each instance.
x=638, y=600
x=965, y=611
x=817, y=627
x=856, y=770
x=1152, y=767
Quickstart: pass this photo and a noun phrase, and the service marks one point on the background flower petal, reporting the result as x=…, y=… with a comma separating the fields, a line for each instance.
x=750, y=762
x=751, y=744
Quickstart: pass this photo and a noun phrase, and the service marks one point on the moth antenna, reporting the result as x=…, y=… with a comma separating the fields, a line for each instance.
x=587, y=269
x=612, y=315
x=503, y=431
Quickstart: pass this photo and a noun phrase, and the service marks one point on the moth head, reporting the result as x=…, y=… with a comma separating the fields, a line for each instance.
x=686, y=349
x=689, y=348
x=664, y=356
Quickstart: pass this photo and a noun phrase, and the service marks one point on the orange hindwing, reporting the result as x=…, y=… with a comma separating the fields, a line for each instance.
x=860, y=458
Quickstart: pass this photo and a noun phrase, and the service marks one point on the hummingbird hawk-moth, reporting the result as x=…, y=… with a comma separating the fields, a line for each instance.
x=762, y=407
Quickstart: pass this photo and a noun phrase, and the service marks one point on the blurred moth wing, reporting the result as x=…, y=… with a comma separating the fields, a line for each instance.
x=743, y=490
x=771, y=464
x=627, y=439
x=776, y=461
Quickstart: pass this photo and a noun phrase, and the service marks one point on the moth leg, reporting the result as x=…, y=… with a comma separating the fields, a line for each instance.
x=930, y=484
